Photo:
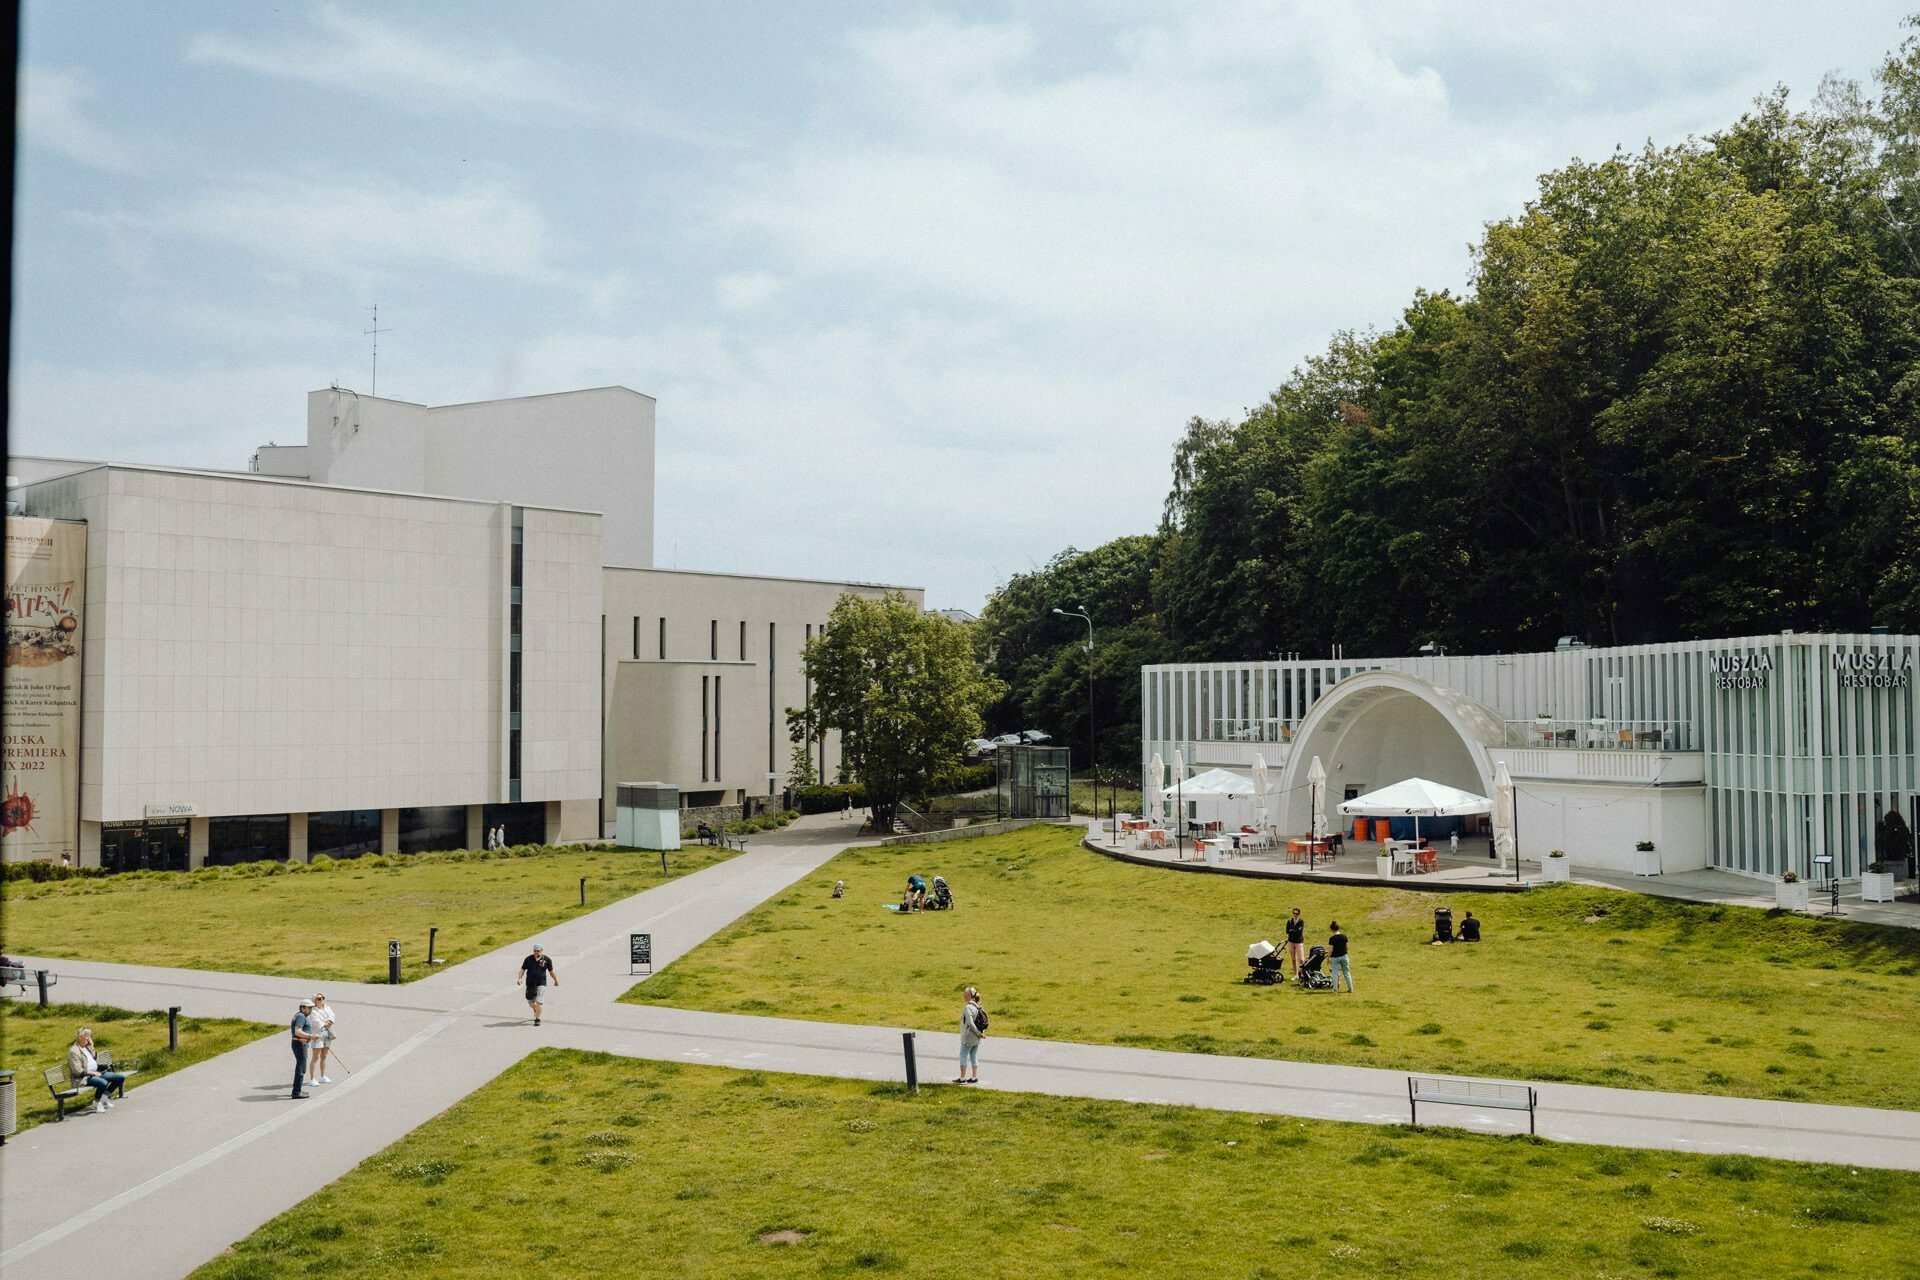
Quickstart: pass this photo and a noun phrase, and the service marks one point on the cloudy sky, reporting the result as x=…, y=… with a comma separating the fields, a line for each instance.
x=925, y=292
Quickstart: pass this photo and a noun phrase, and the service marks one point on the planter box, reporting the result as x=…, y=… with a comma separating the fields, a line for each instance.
x=1876, y=886
x=1790, y=897
x=1382, y=865
x=1645, y=862
x=1556, y=870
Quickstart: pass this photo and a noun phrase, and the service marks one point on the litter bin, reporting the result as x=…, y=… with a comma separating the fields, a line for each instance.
x=9, y=1114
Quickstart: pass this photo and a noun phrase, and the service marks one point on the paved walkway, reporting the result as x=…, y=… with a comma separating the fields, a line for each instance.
x=203, y=1157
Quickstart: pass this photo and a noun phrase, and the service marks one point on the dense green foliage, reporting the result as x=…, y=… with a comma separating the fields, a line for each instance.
x=903, y=690
x=1681, y=398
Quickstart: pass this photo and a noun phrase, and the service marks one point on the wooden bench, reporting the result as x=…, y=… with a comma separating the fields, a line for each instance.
x=1458, y=1092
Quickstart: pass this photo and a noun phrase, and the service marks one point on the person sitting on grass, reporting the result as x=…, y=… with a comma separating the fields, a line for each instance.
x=1469, y=929
x=915, y=897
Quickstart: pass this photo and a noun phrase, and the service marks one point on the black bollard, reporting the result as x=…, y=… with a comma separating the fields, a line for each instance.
x=583, y=891
x=393, y=961
x=913, y=1070
x=433, y=931
x=173, y=1028
x=663, y=862
x=40, y=976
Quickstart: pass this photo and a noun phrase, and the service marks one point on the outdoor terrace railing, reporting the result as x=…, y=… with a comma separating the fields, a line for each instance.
x=1601, y=734
x=1250, y=730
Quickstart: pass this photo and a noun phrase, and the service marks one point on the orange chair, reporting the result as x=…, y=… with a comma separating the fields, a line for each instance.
x=1426, y=859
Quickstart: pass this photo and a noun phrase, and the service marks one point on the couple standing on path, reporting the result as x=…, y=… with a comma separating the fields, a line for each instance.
x=312, y=1029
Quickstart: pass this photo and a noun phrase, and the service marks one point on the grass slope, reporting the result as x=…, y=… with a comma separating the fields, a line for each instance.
x=591, y=1165
x=331, y=920
x=1577, y=984
x=36, y=1038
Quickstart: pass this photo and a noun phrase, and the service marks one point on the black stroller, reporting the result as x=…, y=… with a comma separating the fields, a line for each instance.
x=942, y=896
x=1443, y=924
x=1312, y=974
x=1263, y=964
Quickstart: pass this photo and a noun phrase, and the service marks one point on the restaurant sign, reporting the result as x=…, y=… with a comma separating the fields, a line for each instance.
x=1747, y=670
x=1871, y=670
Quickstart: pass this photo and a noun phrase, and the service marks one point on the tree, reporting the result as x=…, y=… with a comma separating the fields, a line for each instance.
x=902, y=688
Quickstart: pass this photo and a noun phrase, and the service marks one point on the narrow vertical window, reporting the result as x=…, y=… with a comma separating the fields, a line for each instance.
x=713, y=640
x=663, y=639
x=636, y=637
x=706, y=726
x=743, y=639
x=716, y=728
x=773, y=765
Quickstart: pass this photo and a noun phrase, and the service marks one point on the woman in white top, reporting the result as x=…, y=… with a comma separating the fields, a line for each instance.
x=322, y=1019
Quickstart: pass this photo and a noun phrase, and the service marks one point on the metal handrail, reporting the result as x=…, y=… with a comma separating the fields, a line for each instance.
x=1602, y=734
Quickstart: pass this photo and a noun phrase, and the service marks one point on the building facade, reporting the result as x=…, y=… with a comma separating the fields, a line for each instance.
x=283, y=662
x=1757, y=755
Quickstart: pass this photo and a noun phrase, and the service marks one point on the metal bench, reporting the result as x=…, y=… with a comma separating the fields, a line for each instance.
x=1459, y=1092
x=62, y=1088
x=105, y=1058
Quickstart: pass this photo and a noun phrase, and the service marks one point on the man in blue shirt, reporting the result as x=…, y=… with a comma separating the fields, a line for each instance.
x=303, y=1031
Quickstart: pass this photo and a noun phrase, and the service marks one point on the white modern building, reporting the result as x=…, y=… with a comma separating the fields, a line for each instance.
x=421, y=624
x=1758, y=754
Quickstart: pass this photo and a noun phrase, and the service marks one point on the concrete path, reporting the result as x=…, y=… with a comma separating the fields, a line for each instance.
x=202, y=1158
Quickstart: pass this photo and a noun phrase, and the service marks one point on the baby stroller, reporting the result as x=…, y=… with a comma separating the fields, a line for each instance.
x=1263, y=964
x=1312, y=975
x=942, y=896
x=1443, y=924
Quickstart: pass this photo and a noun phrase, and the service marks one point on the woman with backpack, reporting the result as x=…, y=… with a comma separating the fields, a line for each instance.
x=973, y=1025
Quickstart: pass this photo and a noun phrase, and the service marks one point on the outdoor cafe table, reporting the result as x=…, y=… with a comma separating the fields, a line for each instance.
x=1153, y=838
x=1303, y=850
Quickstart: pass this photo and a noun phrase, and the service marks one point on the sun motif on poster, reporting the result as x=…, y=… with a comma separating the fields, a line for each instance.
x=16, y=811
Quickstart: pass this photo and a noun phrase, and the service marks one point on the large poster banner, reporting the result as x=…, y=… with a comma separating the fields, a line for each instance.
x=46, y=613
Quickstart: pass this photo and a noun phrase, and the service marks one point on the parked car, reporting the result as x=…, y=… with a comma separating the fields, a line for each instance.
x=981, y=747
x=1035, y=736
x=1007, y=740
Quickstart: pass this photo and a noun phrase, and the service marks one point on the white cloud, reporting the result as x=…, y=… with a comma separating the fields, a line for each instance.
x=358, y=225
x=433, y=72
x=746, y=291
x=53, y=115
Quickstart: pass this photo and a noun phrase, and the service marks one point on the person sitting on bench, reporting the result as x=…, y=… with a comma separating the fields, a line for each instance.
x=1469, y=929
x=84, y=1068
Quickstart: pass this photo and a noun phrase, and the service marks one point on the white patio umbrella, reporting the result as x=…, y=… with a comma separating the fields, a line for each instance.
x=1505, y=803
x=1317, y=780
x=1157, y=788
x=1260, y=788
x=1416, y=798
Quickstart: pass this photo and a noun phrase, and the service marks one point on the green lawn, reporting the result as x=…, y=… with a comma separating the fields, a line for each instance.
x=1572, y=983
x=35, y=1039
x=593, y=1165
x=331, y=920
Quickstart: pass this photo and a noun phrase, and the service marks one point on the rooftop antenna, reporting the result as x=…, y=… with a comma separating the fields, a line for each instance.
x=375, y=332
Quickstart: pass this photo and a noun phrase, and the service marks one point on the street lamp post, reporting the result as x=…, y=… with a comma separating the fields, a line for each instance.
x=1093, y=740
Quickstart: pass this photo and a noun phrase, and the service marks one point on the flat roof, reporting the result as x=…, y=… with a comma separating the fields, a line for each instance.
x=762, y=577
x=299, y=481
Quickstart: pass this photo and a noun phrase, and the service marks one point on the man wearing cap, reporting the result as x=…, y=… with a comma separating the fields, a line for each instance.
x=303, y=1031
x=536, y=972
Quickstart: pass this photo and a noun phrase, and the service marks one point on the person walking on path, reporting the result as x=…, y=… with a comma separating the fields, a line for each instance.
x=536, y=972
x=1296, y=940
x=1337, y=950
x=322, y=1019
x=84, y=1067
x=973, y=1025
x=304, y=1033
x=846, y=808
